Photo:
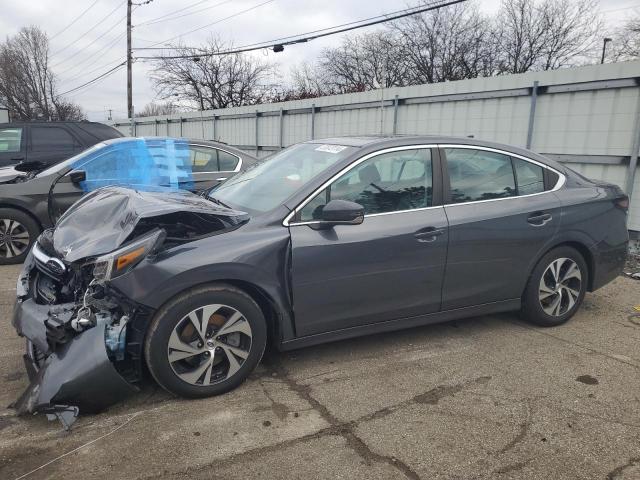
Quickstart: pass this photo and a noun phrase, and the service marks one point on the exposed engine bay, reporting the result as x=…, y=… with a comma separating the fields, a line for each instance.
x=84, y=337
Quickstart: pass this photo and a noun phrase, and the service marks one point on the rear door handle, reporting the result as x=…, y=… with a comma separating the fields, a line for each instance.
x=538, y=219
x=428, y=234
x=221, y=179
x=17, y=159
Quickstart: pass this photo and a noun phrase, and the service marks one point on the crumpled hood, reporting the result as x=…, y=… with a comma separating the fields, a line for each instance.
x=103, y=220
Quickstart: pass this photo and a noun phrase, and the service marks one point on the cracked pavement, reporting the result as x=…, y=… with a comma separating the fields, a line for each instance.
x=484, y=398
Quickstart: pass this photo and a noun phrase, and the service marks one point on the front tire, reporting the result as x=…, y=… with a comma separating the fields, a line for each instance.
x=18, y=231
x=556, y=288
x=206, y=341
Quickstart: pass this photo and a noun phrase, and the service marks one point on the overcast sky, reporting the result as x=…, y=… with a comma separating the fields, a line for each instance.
x=97, y=40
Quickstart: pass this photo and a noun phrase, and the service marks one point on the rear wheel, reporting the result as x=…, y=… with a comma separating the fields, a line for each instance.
x=556, y=287
x=206, y=342
x=18, y=231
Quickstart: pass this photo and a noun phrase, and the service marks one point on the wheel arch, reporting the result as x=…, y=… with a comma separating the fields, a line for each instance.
x=580, y=246
x=272, y=312
x=23, y=210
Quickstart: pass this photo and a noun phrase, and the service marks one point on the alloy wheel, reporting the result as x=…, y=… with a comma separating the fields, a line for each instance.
x=209, y=345
x=560, y=287
x=14, y=238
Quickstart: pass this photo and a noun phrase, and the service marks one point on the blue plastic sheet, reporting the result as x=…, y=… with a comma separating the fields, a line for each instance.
x=143, y=164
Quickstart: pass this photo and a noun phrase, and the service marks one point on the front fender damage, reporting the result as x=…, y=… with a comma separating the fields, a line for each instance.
x=81, y=356
x=78, y=375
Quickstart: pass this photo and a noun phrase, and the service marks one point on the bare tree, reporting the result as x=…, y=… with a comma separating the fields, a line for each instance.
x=547, y=35
x=626, y=44
x=211, y=81
x=27, y=84
x=451, y=43
x=363, y=62
x=155, y=109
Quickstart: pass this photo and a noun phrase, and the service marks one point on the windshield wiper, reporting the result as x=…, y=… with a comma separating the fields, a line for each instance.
x=219, y=202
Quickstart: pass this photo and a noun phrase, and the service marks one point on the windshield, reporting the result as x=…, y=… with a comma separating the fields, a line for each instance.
x=269, y=183
x=138, y=163
x=69, y=161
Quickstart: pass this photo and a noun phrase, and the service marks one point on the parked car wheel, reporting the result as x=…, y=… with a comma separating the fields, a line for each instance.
x=556, y=287
x=18, y=231
x=205, y=342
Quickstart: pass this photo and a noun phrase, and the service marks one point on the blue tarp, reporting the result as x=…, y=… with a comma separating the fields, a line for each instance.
x=138, y=163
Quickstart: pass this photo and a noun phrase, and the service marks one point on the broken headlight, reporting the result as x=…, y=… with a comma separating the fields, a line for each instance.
x=119, y=262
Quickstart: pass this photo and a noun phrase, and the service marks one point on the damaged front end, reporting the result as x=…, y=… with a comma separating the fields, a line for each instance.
x=84, y=337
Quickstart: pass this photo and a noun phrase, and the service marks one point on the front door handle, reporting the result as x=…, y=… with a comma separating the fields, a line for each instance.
x=17, y=159
x=221, y=179
x=538, y=219
x=428, y=234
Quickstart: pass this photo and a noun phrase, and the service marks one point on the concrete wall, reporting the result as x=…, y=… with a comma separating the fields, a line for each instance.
x=587, y=117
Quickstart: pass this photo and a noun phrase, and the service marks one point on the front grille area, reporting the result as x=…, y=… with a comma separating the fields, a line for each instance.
x=48, y=265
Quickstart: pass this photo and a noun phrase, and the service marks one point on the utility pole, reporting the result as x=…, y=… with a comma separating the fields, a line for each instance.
x=130, y=61
x=604, y=49
x=129, y=86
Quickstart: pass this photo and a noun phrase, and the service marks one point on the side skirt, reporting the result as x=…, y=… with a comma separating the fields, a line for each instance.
x=402, y=323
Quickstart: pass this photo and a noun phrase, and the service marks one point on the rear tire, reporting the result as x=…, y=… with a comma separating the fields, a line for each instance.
x=206, y=341
x=18, y=232
x=556, y=288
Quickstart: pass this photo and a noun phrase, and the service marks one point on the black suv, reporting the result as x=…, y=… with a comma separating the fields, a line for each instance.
x=49, y=142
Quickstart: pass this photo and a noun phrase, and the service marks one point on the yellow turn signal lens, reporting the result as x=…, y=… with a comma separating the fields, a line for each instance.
x=129, y=257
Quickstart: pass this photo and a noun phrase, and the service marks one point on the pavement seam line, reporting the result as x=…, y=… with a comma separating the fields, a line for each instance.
x=358, y=445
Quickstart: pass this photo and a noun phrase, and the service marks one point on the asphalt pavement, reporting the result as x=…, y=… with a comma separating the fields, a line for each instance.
x=485, y=398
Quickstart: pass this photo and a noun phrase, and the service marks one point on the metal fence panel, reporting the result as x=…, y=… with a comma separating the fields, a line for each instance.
x=588, y=116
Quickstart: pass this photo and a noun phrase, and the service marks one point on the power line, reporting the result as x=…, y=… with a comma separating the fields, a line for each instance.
x=93, y=80
x=74, y=20
x=57, y=52
x=85, y=89
x=117, y=23
x=99, y=67
x=305, y=37
x=152, y=20
x=96, y=57
x=183, y=15
x=385, y=16
x=209, y=24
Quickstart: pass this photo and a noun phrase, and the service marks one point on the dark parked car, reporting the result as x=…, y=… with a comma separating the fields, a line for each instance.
x=32, y=199
x=49, y=142
x=323, y=241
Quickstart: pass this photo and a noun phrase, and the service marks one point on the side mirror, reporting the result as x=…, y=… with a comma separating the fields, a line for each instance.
x=342, y=212
x=77, y=176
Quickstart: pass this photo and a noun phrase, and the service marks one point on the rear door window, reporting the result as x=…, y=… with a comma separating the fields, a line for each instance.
x=479, y=175
x=46, y=139
x=10, y=140
x=208, y=159
x=203, y=159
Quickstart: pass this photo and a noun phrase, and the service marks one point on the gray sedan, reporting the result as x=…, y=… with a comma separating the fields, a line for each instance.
x=325, y=240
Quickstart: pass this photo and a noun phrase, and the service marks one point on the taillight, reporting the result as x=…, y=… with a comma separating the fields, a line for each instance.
x=622, y=203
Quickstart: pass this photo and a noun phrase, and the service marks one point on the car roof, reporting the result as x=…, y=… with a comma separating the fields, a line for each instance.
x=208, y=143
x=45, y=123
x=88, y=133
x=379, y=142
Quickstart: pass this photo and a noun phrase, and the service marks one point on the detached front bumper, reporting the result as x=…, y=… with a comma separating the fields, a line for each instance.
x=64, y=377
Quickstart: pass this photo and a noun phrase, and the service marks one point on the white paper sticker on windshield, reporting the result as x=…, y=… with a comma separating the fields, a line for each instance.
x=330, y=148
